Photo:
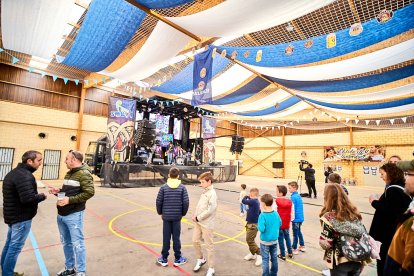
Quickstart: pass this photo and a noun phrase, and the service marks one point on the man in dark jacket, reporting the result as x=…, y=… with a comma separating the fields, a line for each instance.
x=309, y=178
x=77, y=188
x=172, y=204
x=20, y=200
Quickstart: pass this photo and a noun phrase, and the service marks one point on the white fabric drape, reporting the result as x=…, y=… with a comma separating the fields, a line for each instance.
x=279, y=115
x=376, y=96
x=162, y=45
x=362, y=64
x=379, y=112
x=262, y=103
x=225, y=82
x=34, y=27
x=238, y=17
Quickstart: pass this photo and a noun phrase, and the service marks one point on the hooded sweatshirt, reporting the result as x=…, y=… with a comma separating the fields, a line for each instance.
x=172, y=200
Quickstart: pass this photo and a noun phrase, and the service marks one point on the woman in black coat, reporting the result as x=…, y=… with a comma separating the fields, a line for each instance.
x=327, y=172
x=388, y=209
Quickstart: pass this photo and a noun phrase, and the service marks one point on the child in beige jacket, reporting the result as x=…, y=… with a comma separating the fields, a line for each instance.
x=204, y=217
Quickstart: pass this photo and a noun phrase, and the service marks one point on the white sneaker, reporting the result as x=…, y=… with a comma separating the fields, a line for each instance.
x=258, y=260
x=326, y=272
x=199, y=263
x=241, y=214
x=210, y=272
x=249, y=257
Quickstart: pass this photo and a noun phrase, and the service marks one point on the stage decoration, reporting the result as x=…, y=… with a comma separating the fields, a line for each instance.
x=223, y=53
x=355, y=29
x=384, y=16
x=258, y=55
x=289, y=50
x=373, y=33
x=368, y=153
x=331, y=40
x=209, y=131
x=309, y=44
x=202, y=90
x=121, y=120
x=246, y=54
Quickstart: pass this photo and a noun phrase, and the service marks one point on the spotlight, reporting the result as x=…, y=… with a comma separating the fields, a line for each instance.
x=73, y=138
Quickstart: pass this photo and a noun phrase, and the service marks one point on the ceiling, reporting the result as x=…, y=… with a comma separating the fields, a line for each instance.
x=363, y=77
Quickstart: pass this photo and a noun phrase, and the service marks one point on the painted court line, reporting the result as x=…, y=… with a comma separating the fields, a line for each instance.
x=230, y=238
x=38, y=255
x=184, y=272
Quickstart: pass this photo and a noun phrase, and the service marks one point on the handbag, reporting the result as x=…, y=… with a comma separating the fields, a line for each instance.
x=375, y=248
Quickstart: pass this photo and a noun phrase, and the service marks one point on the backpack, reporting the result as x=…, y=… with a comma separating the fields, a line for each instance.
x=353, y=240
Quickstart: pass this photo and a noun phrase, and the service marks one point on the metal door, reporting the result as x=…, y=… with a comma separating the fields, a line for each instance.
x=6, y=161
x=51, y=164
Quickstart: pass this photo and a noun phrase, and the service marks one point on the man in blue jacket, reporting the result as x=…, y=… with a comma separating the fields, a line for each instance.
x=20, y=200
x=172, y=204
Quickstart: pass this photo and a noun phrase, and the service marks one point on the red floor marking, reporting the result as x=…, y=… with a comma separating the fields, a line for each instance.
x=184, y=272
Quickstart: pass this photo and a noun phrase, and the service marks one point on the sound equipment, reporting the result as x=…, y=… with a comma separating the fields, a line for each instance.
x=140, y=160
x=145, y=133
x=278, y=165
x=179, y=160
x=214, y=163
x=158, y=161
x=191, y=163
x=237, y=144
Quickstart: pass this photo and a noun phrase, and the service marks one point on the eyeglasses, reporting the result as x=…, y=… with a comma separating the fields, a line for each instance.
x=408, y=174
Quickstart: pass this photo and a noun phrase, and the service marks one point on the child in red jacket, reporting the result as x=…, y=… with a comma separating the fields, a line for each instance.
x=284, y=208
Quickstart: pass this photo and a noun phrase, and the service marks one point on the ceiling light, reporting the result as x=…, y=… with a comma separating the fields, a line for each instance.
x=289, y=27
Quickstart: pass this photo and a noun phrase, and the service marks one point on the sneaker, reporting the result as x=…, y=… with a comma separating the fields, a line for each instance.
x=249, y=257
x=210, y=272
x=281, y=257
x=295, y=252
x=258, y=260
x=315, y=197
x=18, y=274
x=241, y=214
x=182, y=260
x=66, y=272
x=162, y=261
x=81, y=274
x=199, y=263
x=290, y=256
x=302, y=248
x=326, y=272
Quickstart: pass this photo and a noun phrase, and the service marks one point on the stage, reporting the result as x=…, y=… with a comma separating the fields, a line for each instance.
x=130, y=175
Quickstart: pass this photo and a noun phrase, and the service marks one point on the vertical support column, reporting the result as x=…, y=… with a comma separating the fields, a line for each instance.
x=80, y=118
x=351, y=145
x=237, y=133
x=283, y=152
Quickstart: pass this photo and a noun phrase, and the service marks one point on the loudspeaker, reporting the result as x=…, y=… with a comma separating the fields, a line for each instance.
x=191, y=163
x=158, y=161
x=278, y=165
x=145, y=133
x=237, y=144
x=214, y=163
x=140, y=160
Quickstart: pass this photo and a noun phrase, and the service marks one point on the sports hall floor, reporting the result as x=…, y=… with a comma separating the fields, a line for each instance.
x=124, y=233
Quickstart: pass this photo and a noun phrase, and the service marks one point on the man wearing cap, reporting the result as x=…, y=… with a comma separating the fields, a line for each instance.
x=400, y=259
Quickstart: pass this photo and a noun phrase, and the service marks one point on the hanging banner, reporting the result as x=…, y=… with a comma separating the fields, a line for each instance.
x=202, y=78
x=371, y=153
x=121, y=120
x=209, y=130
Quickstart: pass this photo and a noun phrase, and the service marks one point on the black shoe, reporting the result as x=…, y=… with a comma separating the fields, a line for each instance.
x=66, y=272
x=18, y=274
x=315, y=197
x=281, y=257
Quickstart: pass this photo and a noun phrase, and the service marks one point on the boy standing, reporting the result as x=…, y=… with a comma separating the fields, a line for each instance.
x=241, y=196
x=284, y=208
x=268, y=225
x=172, y=203
x=204, y=217
x=298, y=218
x=251, y=227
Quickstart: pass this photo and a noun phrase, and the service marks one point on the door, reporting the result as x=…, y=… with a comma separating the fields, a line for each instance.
x=6, y=161
x=51, y=164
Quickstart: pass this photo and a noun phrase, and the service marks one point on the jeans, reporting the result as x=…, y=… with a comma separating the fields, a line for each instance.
x=169, y=158
x=71, y=236
x=16, y=237
x=242, y=208
x=171, y=228
x=284, y=235
x=347, y=269
x=267, y=250
x=297, y=233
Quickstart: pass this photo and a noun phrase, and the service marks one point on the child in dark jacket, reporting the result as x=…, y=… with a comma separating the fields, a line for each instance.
x=172, y=204
x=284, y=208
x=251, y=227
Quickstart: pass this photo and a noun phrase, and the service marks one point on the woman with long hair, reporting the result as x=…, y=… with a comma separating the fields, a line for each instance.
x=339, y=215
x=389, y=207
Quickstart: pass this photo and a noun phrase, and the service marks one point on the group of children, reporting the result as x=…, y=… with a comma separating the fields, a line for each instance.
x=273, y=225
x=173, y=203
